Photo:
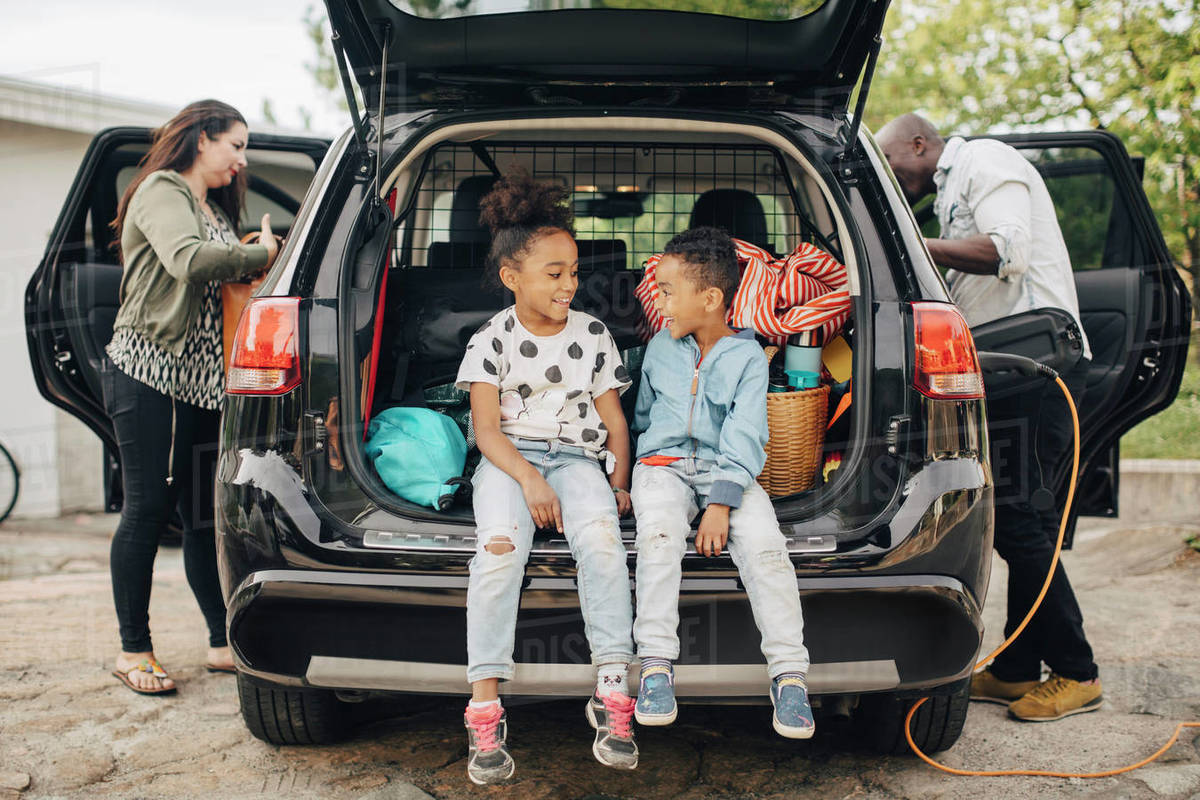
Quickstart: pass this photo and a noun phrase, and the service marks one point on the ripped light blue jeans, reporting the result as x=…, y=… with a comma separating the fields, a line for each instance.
x=590, y=525
x=665, y=500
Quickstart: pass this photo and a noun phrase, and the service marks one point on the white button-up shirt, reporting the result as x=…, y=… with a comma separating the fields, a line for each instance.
x=986, y=186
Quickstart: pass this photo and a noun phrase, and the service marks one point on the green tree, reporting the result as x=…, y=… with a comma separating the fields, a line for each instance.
x=323, y=68
x=1130, y=66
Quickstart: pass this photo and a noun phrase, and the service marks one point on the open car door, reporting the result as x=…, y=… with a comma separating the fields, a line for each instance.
x=1135, y=308
x=71, y=301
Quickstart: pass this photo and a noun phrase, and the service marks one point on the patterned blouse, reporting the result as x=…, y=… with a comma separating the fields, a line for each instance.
x=197, y=375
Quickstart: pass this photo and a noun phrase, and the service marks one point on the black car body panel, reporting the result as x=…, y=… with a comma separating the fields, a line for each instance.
x=316, y=629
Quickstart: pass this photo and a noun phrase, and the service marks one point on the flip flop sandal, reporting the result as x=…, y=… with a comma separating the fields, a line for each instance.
x=151, y=666
x=216, y=668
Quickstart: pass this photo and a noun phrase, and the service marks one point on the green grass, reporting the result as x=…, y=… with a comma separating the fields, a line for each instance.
x=1175, y=431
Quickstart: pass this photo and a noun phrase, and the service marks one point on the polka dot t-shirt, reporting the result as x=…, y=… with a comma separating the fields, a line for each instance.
x=547, y=384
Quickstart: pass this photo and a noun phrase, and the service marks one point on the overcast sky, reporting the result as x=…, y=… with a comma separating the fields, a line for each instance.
x=173, y=52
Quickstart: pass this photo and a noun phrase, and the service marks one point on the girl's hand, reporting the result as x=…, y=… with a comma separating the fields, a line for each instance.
x=267, y=240
x=624, y=501
x=714, y=530
x=543, y=503
x=608, y=406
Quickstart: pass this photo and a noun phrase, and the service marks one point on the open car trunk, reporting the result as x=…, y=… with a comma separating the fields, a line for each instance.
x=810, y=53
x=414, y=305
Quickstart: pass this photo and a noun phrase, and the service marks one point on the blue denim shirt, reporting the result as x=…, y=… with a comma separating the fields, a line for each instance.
x=715, y=409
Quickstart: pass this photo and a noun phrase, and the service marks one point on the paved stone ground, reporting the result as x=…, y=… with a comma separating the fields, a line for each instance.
x=67, y=729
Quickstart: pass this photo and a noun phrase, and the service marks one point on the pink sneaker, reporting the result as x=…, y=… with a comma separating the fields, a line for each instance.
x=488, y=760
x=612, y=717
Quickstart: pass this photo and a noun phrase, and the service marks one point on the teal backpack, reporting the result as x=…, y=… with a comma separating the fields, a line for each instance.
x=419, y=454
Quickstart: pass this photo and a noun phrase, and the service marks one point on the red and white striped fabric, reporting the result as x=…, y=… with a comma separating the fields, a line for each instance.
x=776, y=297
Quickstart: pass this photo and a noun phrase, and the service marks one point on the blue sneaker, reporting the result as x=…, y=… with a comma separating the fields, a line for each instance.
x=793, y=717
x=656, y=696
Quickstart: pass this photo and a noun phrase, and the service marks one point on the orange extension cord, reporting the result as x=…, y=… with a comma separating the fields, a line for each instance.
x=1062, y=528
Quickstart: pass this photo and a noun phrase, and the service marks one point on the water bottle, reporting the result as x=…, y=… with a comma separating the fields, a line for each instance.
x=803, y=353
x=777, y=380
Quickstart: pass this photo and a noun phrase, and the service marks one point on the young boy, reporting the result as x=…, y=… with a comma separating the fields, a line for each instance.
x=702, y=411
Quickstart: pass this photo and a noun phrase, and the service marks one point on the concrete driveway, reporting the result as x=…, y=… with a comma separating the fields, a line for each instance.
x=68, y=729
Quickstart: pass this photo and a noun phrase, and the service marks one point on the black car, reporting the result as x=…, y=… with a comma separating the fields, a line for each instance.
x=338, y=589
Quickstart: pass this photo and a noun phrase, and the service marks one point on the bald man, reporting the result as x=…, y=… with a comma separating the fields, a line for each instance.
x=1004, y=254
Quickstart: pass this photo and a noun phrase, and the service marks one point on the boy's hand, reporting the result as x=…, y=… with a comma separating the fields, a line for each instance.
x=543, y=503
x=624, y=501
x=714, y=530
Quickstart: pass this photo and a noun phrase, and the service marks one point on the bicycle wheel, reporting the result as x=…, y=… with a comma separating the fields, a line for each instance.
x=10, y=483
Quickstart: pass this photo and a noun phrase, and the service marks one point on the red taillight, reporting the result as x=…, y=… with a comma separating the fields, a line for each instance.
x=946, y=365
x=264, y=359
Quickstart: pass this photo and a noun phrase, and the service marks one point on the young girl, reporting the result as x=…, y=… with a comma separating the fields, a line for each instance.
x=545, y=384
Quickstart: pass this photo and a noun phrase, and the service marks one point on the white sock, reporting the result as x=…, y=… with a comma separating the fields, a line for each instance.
x=478, y=704
x=612, y=678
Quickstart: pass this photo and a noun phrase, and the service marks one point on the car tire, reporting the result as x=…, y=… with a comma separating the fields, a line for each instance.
x=935, y=727
x=283, y=715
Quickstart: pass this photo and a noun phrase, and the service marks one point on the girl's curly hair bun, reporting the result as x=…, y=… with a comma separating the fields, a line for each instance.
x=519, y=201
x=517, y=210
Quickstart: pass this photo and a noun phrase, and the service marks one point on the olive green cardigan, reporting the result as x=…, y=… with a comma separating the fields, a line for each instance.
x=168, y=259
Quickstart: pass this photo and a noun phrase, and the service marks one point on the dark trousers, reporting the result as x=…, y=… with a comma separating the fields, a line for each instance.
x=1031, y=436
x=141, y=418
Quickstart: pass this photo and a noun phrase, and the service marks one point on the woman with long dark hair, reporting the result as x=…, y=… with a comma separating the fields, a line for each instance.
x=164, y=377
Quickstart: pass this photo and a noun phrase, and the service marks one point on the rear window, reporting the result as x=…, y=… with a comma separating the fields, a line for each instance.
x=277, y=182
x=741, y=9
x=664, y=215
x=628, y=200
x=1094, y=225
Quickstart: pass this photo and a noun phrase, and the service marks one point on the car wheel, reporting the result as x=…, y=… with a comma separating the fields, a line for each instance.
x=283, y=715
x=936, y=726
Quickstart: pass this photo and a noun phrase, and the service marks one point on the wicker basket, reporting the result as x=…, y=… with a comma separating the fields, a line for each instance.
x=796, y=422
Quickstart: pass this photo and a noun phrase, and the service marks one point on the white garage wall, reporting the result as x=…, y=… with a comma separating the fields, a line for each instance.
x=37, y=165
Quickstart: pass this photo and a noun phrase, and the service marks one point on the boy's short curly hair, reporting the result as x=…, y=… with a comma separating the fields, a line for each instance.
x=709, y=257
x=517, y=210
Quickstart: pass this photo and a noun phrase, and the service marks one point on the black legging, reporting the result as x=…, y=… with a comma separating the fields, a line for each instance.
x=141, y=418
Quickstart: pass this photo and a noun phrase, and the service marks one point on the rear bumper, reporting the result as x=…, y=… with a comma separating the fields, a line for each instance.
x=406, y=633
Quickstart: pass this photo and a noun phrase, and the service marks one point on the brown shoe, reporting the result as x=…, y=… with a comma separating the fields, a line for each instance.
x=1058, y=697
x=988, y=688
